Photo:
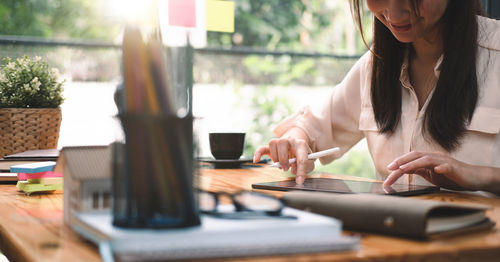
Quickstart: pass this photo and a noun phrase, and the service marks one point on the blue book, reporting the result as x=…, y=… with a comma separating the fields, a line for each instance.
x=216, y=237
x=31, y=168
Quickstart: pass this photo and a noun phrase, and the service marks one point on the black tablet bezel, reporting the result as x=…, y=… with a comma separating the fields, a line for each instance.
x=333, y=185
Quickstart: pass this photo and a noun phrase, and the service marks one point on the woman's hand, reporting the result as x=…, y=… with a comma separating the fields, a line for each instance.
x=440, y=169
x=282, y=149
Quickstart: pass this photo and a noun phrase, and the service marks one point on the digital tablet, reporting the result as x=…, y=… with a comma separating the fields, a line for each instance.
x=347, y=186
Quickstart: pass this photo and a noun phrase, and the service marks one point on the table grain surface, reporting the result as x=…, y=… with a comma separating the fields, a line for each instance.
x=32, y=228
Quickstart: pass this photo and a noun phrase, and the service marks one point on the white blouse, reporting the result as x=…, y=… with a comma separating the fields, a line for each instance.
x=347, y=115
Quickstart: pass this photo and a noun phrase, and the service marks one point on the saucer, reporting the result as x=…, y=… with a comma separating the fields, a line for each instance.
x=226, y=163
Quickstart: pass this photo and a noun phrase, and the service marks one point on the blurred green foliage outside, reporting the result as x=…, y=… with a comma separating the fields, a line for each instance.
x=76, y=19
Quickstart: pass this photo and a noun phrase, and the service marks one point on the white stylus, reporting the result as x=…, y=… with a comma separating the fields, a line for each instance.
x=310, y=156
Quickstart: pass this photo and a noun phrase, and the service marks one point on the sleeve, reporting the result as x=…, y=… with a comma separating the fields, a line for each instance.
x=335, y=123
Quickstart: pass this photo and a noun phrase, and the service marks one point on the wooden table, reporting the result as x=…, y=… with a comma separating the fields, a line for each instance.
x=32, y=229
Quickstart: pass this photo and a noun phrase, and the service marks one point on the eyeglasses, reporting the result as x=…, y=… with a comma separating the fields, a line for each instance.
x=245, y=205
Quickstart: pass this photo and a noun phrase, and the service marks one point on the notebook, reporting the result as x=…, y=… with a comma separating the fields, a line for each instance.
x=35, y=155
x=8, y=177
x=217, y=237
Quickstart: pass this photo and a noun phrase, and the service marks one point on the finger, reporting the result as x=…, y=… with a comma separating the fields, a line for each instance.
x=283, y=149
x=425, y=161
x=393, y=177
x=443, y=169
x=310, y=165
x=300, y=179
x=302, y=150
x=263, y=150
x=396, y=163
x=426, y=173
x=446, y=170
x=449, y=173
x=309, y=168
x=273, y=150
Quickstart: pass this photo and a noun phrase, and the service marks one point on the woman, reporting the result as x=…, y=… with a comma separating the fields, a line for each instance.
x=426, y=97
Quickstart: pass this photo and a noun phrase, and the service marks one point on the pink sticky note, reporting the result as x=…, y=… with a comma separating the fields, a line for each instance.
x=25, y=176
x=182, y=13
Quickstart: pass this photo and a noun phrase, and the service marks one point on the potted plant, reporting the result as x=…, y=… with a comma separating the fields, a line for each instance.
x=30, y=99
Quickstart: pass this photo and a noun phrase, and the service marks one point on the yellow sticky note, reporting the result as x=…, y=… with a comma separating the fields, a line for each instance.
x=46, y=181
x=220, y=16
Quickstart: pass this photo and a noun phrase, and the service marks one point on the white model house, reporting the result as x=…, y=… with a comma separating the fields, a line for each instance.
x=87, y=179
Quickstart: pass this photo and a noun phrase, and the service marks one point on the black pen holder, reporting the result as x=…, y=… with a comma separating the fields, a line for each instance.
x=153, y=173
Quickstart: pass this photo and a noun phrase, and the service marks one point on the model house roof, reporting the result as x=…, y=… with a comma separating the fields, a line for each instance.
x=87, y=162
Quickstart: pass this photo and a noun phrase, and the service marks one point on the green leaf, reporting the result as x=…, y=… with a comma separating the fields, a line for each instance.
x=27, y=82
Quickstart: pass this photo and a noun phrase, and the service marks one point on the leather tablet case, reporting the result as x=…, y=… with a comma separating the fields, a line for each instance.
x=398, y=216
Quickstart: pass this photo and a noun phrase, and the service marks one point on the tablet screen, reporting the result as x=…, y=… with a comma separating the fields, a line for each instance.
x=347, y=186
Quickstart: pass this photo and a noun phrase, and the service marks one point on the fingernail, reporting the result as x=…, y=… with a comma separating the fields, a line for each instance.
x=299, y=180
x=392, y=166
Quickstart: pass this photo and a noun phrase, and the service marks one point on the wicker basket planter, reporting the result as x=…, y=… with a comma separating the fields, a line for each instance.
x=24, y=129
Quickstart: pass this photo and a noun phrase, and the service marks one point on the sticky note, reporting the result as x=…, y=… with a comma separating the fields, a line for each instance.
x=46, y=181
x=33, y=167
x=220, y=16
x=182, y=13
x=32, y=188
x=26, y=176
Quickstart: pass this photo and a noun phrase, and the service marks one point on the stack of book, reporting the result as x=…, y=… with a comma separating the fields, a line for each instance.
x=27, y=157
x=37, y=177
x=295, y=232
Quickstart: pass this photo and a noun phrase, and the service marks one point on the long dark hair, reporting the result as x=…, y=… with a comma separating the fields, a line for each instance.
x=452, y=105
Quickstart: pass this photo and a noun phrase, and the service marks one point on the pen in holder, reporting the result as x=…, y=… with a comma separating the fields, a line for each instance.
x=153, y=173
x=153, y=169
